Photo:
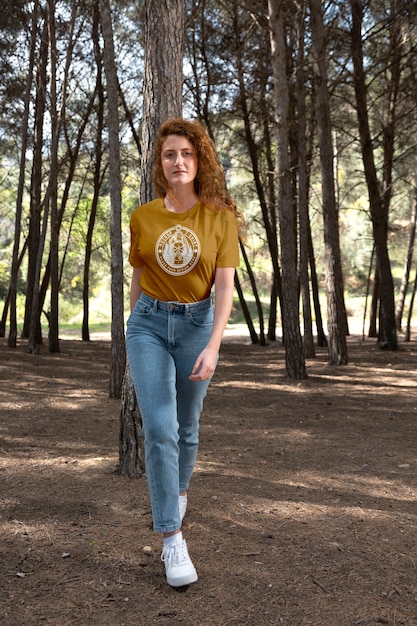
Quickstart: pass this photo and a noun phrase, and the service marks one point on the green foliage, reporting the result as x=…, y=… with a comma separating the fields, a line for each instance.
x=221, y=37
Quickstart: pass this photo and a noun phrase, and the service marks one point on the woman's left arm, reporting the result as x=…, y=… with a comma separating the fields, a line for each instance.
x=223, y=288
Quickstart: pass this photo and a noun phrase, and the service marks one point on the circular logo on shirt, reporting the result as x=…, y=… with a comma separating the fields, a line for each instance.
x=178, y=250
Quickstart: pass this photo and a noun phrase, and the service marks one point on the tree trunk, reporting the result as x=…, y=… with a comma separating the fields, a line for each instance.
x=73, y=161
x=131, y=446
x=321, y=335
x=336, y=312
x=387, y=328
x=118, y=348
x=273, y=302
x=53, y=186
x=97, y=172
x=276, y=287
x=31, y=322
x=262, y=341
x=303, y=216
x=21, y=184
x=373, y=316
x=399, y=309
x=410, y=310
x=245, y=309
x=163, y=79
x=294, y=357
x=7, y=298
x=268, y=213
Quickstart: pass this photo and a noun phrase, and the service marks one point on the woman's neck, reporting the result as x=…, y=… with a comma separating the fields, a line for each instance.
x=180, y=201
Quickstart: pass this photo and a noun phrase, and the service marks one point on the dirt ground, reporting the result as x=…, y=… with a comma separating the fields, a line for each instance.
x=302, y=509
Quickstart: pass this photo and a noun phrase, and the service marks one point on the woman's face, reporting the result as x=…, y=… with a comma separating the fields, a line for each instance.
x=179, y=161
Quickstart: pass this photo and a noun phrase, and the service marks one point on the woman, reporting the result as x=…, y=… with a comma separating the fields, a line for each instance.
x=182, y=244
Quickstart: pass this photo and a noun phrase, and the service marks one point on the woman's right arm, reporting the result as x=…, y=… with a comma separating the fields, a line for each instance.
x=135, y=288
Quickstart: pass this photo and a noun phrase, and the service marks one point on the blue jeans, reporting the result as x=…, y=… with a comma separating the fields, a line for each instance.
x=163, y=341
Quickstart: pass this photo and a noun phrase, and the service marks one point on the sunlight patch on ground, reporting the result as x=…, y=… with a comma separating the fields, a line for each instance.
x=240, y=384
x=36, y=463
x=383, y=377
x=348, y=483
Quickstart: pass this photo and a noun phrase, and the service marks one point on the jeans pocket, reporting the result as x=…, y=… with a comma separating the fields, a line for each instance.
x=143, y=308
x=202, y=318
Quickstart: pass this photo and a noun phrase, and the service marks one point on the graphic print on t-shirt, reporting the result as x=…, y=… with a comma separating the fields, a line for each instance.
x=178, y=250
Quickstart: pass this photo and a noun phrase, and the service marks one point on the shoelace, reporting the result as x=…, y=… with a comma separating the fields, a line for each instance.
x=175, y=552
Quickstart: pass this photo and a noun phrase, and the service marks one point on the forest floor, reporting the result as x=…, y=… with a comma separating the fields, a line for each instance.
x=302, y=509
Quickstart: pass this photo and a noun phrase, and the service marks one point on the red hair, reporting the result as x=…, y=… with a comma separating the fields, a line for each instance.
x=209, y=183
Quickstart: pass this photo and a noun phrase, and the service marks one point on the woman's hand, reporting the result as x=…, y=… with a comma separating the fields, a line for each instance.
x=223, y=284
x=205, y=365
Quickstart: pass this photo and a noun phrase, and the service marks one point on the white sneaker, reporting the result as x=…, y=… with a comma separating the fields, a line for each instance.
x=183, y=506
x=178, y=566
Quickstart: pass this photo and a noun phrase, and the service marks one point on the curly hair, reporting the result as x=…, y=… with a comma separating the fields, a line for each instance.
x=209, y=183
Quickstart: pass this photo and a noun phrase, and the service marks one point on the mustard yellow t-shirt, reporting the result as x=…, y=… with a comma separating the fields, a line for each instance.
x=179, y=252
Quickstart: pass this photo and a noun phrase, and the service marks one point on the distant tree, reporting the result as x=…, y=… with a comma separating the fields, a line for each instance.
x=259, y=152
x=56, y=123
x=399, y=309
x=336, y=312
x=294, y=356
x=303, y=179
x=97, y=177
x=118, y=349
x=410, y=310
x=378, y=203
x=31, y=323
x=21, y=184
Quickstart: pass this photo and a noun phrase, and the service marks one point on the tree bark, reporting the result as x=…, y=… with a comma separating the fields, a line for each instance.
x=53, y=185
x=21, y=184
x=118, y=348
x=336, y=312
x=131, y=446
x=31, y=322
x=410, y=310
x=399, y=309
x=163, y=80
x=294, y=356
x=303, y=216
x=163, y=77
x=262, y=340
x=97, y=171
x=245, y=309
x=387, y=334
